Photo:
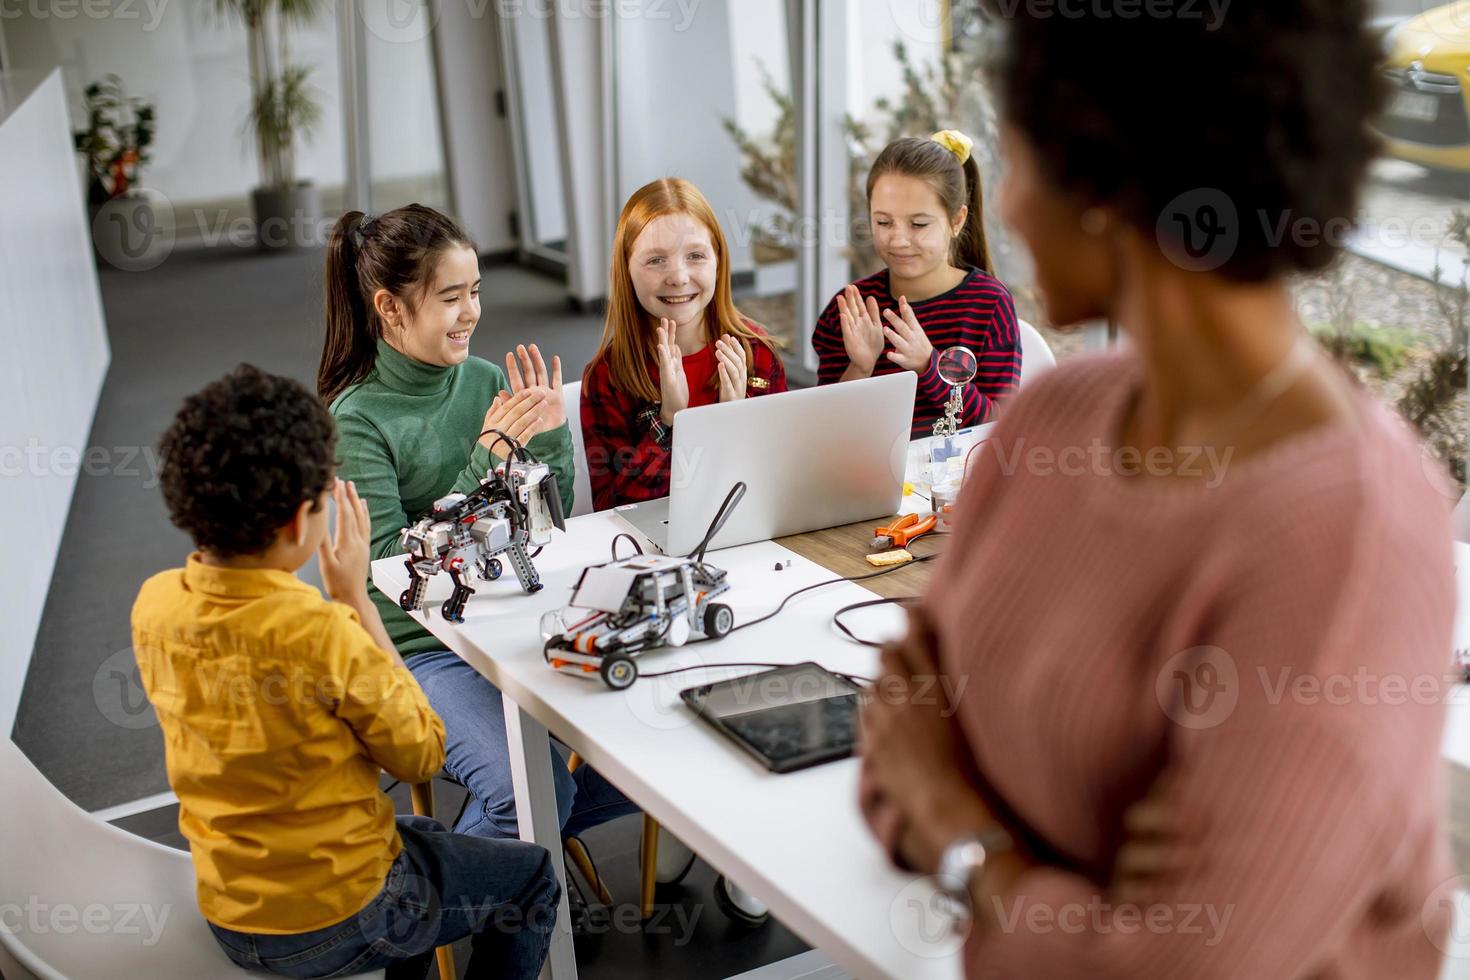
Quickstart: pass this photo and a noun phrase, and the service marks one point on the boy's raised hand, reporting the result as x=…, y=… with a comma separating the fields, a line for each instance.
x=672, y=384
x=525, y=369
x=344, y=554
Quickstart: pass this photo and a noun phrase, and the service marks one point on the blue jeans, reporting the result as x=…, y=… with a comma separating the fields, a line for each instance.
x=441, y=888
x=478, y=758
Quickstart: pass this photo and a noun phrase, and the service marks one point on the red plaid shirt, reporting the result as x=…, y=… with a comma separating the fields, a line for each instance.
x=628, y=447
x=978, y=314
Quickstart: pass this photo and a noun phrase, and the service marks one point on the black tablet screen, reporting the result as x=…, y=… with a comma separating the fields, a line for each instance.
x=788, y=717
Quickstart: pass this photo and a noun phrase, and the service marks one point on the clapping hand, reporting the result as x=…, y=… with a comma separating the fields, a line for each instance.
x=730, y=362
x=526, y=370
x=862, y=329
x=911, y=347
x=672, y=384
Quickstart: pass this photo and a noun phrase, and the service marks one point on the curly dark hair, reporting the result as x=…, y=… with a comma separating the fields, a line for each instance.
x=241, y=456
x=1260, y=113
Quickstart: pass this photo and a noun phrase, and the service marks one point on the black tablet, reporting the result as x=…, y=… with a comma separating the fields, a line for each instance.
x=789, y=717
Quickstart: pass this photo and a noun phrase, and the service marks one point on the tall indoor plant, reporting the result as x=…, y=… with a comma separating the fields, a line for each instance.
x=282, y=108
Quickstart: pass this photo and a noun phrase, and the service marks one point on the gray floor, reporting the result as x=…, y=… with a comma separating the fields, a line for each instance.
x=173, y=329
x=82, y=718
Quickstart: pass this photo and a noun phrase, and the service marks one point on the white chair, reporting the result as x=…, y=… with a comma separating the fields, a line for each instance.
x=1036, y=356
x=81, y=899
x=571, y=396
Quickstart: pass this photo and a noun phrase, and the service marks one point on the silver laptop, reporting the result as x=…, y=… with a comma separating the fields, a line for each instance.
x=815, y=458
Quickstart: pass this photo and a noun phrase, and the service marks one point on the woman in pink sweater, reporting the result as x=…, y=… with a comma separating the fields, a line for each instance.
x=1201, y=592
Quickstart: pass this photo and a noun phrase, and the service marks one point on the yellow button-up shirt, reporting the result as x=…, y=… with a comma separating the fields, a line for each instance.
x=277, y=712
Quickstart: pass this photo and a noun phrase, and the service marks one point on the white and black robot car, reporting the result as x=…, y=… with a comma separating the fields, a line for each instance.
x=623, y=607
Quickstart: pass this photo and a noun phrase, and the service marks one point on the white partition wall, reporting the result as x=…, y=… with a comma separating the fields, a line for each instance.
x=53, y=355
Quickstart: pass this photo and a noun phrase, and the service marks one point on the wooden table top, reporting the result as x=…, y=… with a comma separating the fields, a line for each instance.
x=842, y=549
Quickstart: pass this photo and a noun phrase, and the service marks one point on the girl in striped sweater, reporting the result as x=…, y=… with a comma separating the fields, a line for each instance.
x=938, y=290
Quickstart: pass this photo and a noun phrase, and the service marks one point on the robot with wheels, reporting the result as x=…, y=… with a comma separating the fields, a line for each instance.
x=515, y=506
x=631, y=605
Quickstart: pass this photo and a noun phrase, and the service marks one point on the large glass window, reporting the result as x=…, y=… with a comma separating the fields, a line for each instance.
x=706, y=95
x=405, y=146
x=1394, y=310
x=190, y=62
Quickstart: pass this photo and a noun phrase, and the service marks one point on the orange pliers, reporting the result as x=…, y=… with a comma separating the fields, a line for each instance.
x=902, y=531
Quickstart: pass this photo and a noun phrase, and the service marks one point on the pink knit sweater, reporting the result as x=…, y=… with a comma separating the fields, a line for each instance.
x=1276, y=641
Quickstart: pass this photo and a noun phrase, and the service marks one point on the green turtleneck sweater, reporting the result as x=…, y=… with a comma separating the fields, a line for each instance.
x=407, y=435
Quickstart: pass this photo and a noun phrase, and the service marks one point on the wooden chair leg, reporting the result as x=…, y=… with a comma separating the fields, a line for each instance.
x=650, y=866
x=422, y=796
x=579, y=857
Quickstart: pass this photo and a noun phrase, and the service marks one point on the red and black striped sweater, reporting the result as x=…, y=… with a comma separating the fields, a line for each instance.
x=978, y=314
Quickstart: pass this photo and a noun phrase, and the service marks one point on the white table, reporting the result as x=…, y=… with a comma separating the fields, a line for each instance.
x=796, y=841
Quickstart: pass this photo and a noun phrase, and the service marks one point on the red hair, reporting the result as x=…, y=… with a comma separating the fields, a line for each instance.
x=628, y=336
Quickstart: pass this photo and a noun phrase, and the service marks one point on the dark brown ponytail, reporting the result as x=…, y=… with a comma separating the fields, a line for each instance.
x=395, y=251
x=352, y=333
x=970, y=245
x=958, y=185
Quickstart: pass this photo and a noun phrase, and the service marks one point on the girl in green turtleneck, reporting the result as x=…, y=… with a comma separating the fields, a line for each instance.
x=402, y=299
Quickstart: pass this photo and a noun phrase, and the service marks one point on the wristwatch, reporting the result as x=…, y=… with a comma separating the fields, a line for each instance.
x=652, y=421
x=965, y=858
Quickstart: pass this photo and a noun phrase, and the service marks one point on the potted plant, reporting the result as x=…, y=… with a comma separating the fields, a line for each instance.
x=282, y=108
x=115, y=143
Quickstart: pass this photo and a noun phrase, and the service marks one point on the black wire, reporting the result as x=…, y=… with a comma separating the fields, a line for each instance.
x=624, y=534
x=837, y=616
x=515, y=447
x=721, y=516
x=680, y=670
x=920, y=537
x=830, y=581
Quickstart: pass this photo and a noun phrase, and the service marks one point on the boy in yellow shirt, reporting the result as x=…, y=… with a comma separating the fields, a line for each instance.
x=279, y=708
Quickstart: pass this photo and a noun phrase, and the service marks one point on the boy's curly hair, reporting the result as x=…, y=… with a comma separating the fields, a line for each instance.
x=240, y=457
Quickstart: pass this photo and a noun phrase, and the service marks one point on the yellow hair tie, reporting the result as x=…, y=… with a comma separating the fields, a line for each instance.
x=955, y=142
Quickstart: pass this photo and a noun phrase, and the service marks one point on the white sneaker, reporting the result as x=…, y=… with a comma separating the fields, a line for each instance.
x=674, y=859
x=739, y=904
